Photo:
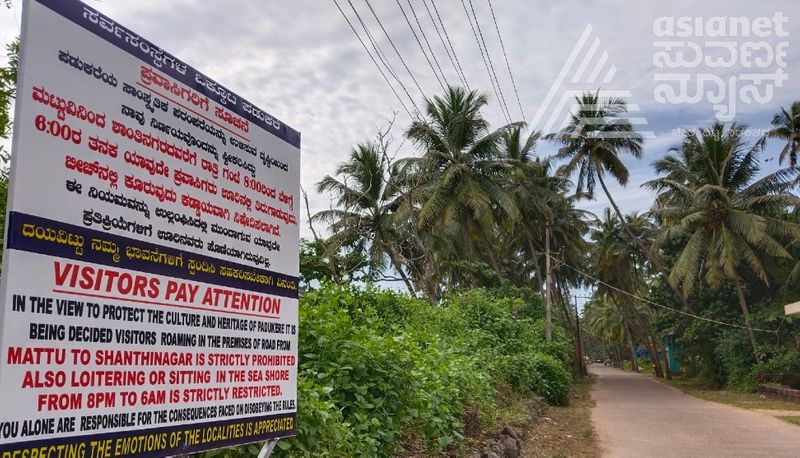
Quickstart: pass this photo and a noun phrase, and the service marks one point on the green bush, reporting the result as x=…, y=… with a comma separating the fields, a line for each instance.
x=554, y=382
x=322, y=431
x=495, y=324
x=782, y=368
x=736, y=357
x=378, y=367
x=386, y=376
x=537, y=373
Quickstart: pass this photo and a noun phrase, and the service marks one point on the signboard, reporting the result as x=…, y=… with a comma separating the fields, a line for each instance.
x=151, y=260
x=792, y=309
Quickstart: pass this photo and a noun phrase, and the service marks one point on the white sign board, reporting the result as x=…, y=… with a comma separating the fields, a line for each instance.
x=151, y=260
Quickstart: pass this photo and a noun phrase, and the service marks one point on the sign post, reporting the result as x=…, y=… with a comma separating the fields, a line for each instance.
x=151, y=263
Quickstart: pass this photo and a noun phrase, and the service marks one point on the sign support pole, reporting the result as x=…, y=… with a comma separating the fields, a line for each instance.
x=266, y=450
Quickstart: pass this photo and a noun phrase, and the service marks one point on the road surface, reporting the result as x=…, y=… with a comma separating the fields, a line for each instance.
x=637, y=416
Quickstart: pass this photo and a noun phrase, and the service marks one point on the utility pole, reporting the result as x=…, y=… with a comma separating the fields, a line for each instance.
x=548, y=294
x=581, y=360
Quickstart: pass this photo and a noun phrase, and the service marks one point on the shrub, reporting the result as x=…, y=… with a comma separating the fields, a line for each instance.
x=782, y=368
x=378, y=367
x=321, y=431
x=537, y=373
x=386, y=375
x=513, y=349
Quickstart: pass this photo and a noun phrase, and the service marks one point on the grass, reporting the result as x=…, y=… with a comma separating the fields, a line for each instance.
x=735, y=398
x=565, y=431
x=792, y=420
x=511, y=409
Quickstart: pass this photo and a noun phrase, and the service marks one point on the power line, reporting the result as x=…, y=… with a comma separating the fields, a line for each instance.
x=489, y=57
x=381, y=55
x=485, y=64
x=450, y=43
x=378, y=51
x=422, y=48
x=427, y=43
x=647, y=301
x=416, y=83
x=373, y=59
x=505, y=56
x=441, y=40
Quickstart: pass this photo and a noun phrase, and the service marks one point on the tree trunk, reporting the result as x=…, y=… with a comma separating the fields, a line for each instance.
x=654, y=357
x=634, y=362
x=535, y=256
x=548, y=299
x=393, y=255
x=492, y=258
x=656, y=263
x=569, y=319
x=428, y=284
x=667, y=370
x=405, y=278
x=471, y=249
x=746, y=313
x=618, y=356
x=648, y=343
x=573, y=327
x=646, y=334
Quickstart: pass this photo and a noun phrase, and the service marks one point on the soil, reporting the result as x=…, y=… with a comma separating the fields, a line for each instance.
x=565, y=431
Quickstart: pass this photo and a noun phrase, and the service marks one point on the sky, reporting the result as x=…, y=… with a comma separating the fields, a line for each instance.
x=300, y=61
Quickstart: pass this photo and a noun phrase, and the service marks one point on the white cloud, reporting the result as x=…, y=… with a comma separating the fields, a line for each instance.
x=300, y=62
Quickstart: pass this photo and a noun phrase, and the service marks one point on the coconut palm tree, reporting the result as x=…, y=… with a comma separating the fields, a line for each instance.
x=458, y=181
x=708, y=196
x=786, y=126
x=606, y=323
x=544, y=205
x=533, y=189
x=623, y=267
x=592, y=143
x=364, y=214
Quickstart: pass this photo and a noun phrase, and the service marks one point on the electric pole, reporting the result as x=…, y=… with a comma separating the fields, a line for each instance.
x=548, y=294
x=581, y=359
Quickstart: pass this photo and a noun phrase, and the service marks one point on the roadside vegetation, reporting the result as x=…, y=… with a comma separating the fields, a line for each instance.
x=382, y=371
x=720, y=260
x=566, y=431
x=710, y=264
x=745, y=400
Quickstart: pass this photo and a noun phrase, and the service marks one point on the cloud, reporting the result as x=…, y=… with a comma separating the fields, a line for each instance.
x=300, y=62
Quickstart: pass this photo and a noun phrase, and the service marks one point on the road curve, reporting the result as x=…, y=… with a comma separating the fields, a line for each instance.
x=637, y=416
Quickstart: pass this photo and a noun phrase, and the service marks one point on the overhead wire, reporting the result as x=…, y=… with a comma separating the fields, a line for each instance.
x=400, y=56
x=422, y=48
x=505, y=56
x=373, y=59
x=427, y=43
x=450, y=43
x=381, y=56
x=655, y=304
x=376, y=47
x=489, y=57
x=444, y=44
x=483, y=57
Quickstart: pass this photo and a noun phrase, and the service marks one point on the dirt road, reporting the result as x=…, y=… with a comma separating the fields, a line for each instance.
x=637, y=416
